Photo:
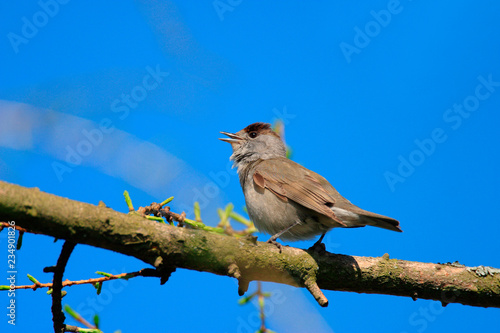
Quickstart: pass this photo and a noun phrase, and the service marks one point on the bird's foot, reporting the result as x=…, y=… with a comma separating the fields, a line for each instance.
x=275, y=243
x=318, y=247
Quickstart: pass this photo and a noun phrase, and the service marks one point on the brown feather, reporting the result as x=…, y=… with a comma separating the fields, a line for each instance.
x=309, y=189
x=300, y=187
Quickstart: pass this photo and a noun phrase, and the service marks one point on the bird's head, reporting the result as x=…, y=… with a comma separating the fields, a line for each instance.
x=254, y=142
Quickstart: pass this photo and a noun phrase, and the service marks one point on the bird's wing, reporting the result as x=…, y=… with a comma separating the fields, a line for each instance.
x=289, y=180
x=367, y=217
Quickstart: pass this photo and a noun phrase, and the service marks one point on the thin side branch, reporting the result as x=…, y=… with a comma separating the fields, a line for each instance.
x=162, y=245
x=143, y=272
x=57, y=315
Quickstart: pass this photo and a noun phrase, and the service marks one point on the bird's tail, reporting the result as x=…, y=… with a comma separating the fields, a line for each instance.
x=381, y=222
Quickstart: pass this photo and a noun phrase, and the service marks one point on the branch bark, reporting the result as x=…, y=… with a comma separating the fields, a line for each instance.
x=167, y=247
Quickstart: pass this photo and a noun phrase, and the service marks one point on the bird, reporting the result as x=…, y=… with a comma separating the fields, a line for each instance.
x=285, y=199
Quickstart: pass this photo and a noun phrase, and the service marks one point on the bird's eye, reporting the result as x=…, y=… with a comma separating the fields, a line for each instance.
x=253, y=135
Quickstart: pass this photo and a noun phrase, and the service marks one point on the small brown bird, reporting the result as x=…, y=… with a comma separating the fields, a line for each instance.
x=285, y=199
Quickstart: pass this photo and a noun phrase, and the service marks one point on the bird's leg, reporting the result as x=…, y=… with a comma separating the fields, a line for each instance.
x=319, y=246
x=273, y=239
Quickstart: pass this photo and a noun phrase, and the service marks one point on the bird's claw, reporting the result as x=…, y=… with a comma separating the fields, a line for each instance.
x=318, y=247
x=275, y=243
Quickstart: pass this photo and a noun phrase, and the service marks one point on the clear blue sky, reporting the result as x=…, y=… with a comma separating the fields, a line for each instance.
x=396, y=103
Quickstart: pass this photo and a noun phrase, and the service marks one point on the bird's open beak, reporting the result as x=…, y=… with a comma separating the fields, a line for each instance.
x=233, y=138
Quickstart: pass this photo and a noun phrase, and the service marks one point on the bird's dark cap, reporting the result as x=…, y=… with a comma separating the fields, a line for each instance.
x=261, y=128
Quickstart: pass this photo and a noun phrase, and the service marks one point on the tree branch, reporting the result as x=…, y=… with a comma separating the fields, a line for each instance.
x=57, y=314
x=167, y=247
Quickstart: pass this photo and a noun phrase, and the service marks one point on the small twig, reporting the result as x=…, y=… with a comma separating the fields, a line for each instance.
x=57, y=314
x=182, y=218
x=128, y=201
x=76, y=316
x=157, y=210
x=262, y=315
x=71, y=328
x=143, y=272
x=18, y=228
x=314, y=289
x=197, y=212
x=224, y=227
x=166, y=201
x=224, y=215
x=20, y=240
x=37, y=284
x=261, y=296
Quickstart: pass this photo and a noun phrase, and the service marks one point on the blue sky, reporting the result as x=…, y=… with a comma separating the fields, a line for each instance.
x=396, y=103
